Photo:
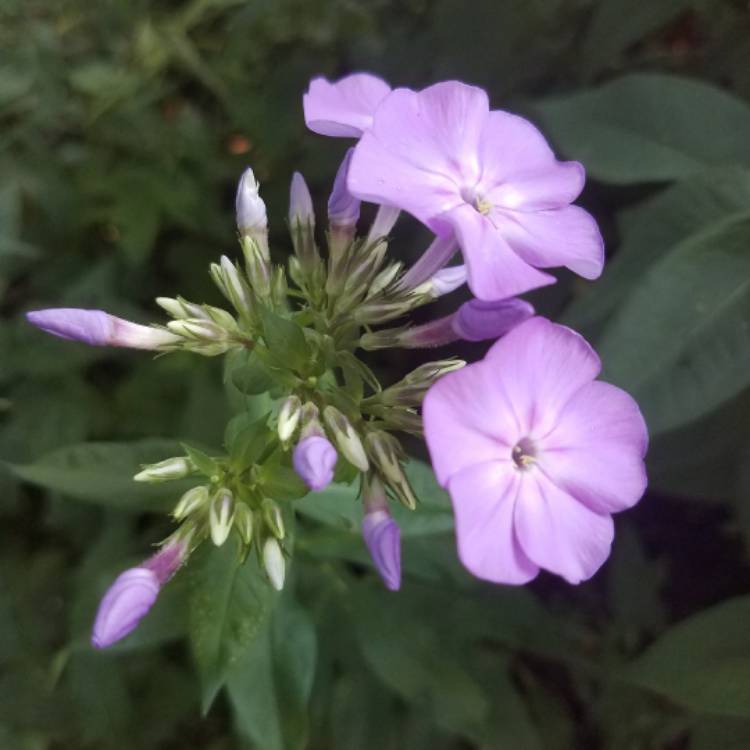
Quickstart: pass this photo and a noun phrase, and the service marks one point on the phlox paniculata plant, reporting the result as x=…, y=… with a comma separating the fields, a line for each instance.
x=535, y=453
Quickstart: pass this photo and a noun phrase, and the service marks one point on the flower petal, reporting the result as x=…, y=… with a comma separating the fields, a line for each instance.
x=495, y=271
x=477, y=321
x=467, y=421
x=484, y=499
x=567, y=237
x=540, y=366
x=596, y=451
x=343, y=108
x=552, y=186
x=557, y=532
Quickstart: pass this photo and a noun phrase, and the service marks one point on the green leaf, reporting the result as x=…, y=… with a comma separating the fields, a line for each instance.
x=702, y=663
x=253, y=377
x=230, y=603
x=271, y=685
x=103, y=473
x=651, y=229
x=286, y=341
x=681, y=341
x=246, y=439
x=649, y=127
x=202, y=461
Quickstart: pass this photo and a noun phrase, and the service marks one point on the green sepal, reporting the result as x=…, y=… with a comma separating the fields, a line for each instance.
x=202, y=461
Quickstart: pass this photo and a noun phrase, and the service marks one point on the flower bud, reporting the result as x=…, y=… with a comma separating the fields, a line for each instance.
x=411, y=390
x=165, y=471
x=239, y=293
x=310, y=421
x=343, y=207
x=273, y=518
x=289, y=416
x=384, y=279
x=346, y=438
x=205, y=331
x=302, y=223
x=257, y=266
x=243, y=522
x=251, y=210
x=273, y=562
x=477, y=320
x=314, y=460
x=98, y=328
x=382, y=448
x=221, y=516
x=133, y=594
x=382, y=534
x=190, y=502
x=180, y=308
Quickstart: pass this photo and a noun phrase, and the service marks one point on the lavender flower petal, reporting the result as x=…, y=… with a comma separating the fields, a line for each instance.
x=314, y=460
x=383, y=539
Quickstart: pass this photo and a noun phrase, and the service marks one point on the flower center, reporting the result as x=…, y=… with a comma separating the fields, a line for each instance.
x=475, y=200
x=524, y=453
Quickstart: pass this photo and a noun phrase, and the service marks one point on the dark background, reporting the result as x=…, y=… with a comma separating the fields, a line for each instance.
x=124, y=127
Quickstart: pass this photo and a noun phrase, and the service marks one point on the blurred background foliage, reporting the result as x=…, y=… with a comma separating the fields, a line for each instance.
x=123, y=129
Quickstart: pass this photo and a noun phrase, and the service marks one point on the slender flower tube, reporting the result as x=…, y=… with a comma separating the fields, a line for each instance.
x=384, y=220
x=314, y=460
x=447, y=280
x=440, y=251
x=98, y=328
x=133, y=594
x=382, y=534
x=343, y=207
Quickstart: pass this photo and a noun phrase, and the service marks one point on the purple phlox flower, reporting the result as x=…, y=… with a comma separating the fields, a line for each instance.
x=536, y=455
x=345, y=107
x=98, y=328
x=382, y=535
x=343, y=207
x=314, y=460
x=133, y=594
x=487, y=177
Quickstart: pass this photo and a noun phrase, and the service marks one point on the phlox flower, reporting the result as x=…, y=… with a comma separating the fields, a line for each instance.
x=487, y=177
x=536, y=455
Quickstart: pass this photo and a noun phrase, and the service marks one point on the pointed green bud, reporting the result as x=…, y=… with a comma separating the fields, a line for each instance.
x=191, y=501
x=257, y=267
x=273, y=518
x=198, y=330
x=302, y=223
x=221, y=516
x=273, y=562
x=222, y=318
x=279, y=287
x=172, y=307
x=384, y=279
x=346, y=438
x=289, y=416
x=411, y=390
x=384, y=451
x=243, y=522
x=165, y=471
x=236, y=287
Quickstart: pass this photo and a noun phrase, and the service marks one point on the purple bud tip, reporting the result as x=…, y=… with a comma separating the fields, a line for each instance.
x=477, y=320
x=300, y=201
x=314, y=460
x=383, y=539
x=93, y=327
x=126, y=602
x=343, y=207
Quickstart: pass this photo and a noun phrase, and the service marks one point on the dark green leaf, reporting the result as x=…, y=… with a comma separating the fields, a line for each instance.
x=253, y=377
x=285, y=341
x=649, y=127
x=202, y=461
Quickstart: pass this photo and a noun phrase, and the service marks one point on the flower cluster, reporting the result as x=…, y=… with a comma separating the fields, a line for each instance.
x=534, y=452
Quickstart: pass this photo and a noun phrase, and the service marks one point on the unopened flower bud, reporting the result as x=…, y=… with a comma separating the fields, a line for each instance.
x=190, y=502
x=411, y=390
x=257, y=266
x=198, y=330
x=273, y=562
x=382, y=534
x=302, y=223
x=244, y=523
x=221, y=516
x=222, y=318
x=133, y=594
x=384, y=453
x=251, y=210
x=273, y=518
x=477, y=320
x=347, y=440
x=98, y=328
x=343, y=207
x=165, y=471
x=289, y=416
x=180, y=308
x=310, y=421
x=314, y=460
x=384, y=279
x=236, y=287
